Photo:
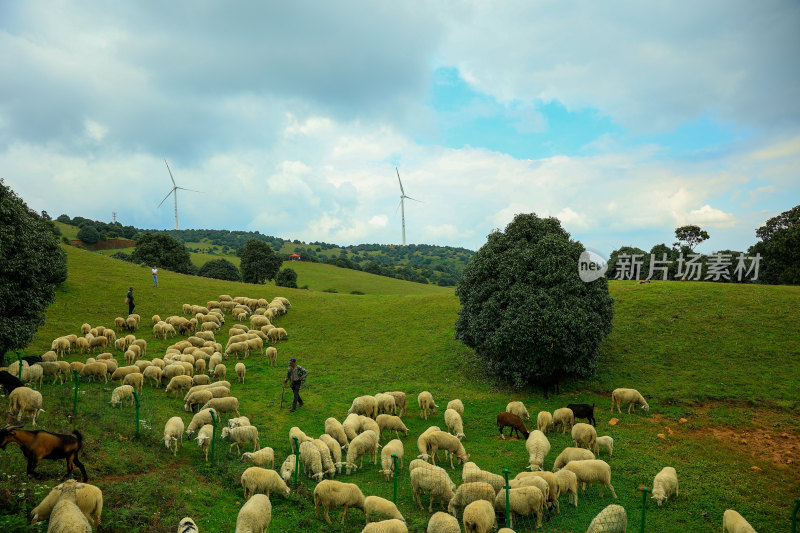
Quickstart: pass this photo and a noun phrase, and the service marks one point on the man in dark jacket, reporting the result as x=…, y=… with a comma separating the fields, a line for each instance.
x=129, y=301
x=295, y=376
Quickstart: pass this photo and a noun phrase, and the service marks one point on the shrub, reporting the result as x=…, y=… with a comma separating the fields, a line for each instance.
x=122, y=256
x=286, y=278
x=220, y=269
x=89, y=234
x=356, y=292
x=329, y=290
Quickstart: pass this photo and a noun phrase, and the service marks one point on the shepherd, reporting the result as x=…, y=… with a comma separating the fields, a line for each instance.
x=296, y=377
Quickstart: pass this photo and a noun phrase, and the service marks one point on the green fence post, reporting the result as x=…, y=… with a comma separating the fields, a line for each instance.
x=136, y=401
x=77, y=385
x=214, y=422
x=19, y=365
x=644, y=507
x=396, y=475
x=794, y=515
x=508, y=505
x=296, y=451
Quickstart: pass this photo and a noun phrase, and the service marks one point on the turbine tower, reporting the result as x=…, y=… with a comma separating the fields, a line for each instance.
x=174, y=192
x=403, y=205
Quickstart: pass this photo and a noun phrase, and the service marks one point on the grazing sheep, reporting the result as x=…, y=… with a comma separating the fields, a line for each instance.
x=172, y=370
x=386, y=403
x=422, y=442
x=439, y=440
x=88, y=498
x=456, y=405
x=352, y=425
x=201, y=379
x=272, y=355
x=437, y=483
x=470, y=492
x=592, y=471
x=187, y=525
x=391, y=423
x=364, y=405
x=24, y=401
x=262, y=457
x=571, y=454
x=733, y=522
x=220, y=371
x=178, y=383
x=472, y=473
x=629, y=396
x=288, y=467
x=136, y=380
x=154, y=373
x=295, y=431
x=238, y=422
x=393, y=447
x=35, y=374
x=200, y=366
x=82, y=344
x=311, y=460
x=255, y=515
x=544, y=421
x=538, y=447
x=200, y=419
x=85, y=329
x=141, y=364
x=443, y=523
x=519, y=409
x=380, y=507
x=98, y=370
x=665, y=484
x=228, y=404
x=123, y=393
x=533, y=481
x=241, y=435
x=335, y=450
x=550, y=488
x=521, y=501
x=612, y=519
x=454, y=423
x=262, y=480
x=585, y=436
x=479, y=517
x=606, y=441
x=173, y=431
x=563, y=416
x=366, y=423
x=399, y=401
x=366, y=442
x=386, y=526
x=506, y=419
x=426, y=404
x=240, y=371
x=204, y=437
x=331, y=493
x=66, y=516
x=568, y=484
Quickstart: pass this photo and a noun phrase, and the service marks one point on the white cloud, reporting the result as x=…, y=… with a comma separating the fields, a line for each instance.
x=379, y=221
x=710, y=216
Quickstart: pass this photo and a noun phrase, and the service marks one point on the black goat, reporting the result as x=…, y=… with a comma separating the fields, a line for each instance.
x=511, y=420
x=37, y=445
x=9, y=382
x=32, y=359
x=583, y=410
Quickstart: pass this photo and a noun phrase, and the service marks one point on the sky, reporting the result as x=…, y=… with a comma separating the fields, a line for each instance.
x=624, y=120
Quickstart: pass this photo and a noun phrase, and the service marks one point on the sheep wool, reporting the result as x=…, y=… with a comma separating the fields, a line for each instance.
x=439, y=440
x=733, y=522
x=568, y=484
x=88, y=498
x=426, y=404
x=452, y=420
x=399, y=401
x=255, y=515
x=24, y=401
x=325, y=456
x=364, y=405
x=606, y=442
x=519, y=409
x=229, y=404
x=612, y=519
x=563, y=416
x=366, y=442
x=592, y=471
x=393, y=447
x=665, y=484
x=240, y=371
x=311, y=460
x=335, y=450
x=391, y=423
x=468, y=493
x=443, y=523
x=352, y=425
x=262, y=480
x=66, y=516
x=479, y=517
x=585, y=436
x=629, y=396
x=521, y=501
x=472, y=473
x=330, y=493
x=383, y=509
x=571, y=454
x=265, y=457
x=187, y=525
x=538, y=447
x=544, y=421
x=386, y=526
x=241, y=435
x=456, y=405
x=123, y=393
x=437, y=483
x=288, y=467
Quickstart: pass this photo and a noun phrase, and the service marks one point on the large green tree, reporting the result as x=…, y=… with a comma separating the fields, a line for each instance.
x=32, y=265
x=779, y=248
x=525, y=310
x=690, y=236
x=163, y=251
x=287, y=277
x=89, y=234
x=220, y=269
x=259, y=262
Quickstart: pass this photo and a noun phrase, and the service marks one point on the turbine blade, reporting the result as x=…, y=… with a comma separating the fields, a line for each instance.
x=420, y=201
x=170, y=174
x=185, y=189
x=398, y=207
x=400, y=182
x=165, y=198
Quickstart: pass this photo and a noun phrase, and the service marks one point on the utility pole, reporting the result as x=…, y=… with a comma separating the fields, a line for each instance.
x=114, y=216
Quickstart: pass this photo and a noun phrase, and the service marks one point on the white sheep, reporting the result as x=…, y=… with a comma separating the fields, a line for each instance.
x=606, y=442
x=399, y=401
x=328, y=465
x=393, y=525
x=311, y=460
x=386, y=403
x=437, y=483
x=585, y=436
x=123, y=393
x=272, y=355
x=241, y=435
x=592, y=471
x=229, y=404
x=288, y=467
x=454, y=423
x=66, y=516
x=383, y=508
x=544, y=421
x=24, y=401
x=199, y=420
x=456, y=405
x=568, y=484
x=173, y=432
x=256, y=479
x=204, y=437
x=238, y=422
x=612, y=519
x=240, y=371
x=335, y=450
x=426, y=404
x=99, y=370
x=364, y=405
x=335, y=429
x=521, y=501
x=366, y=423
x=631, y=397
x=263, y=457
x=135, y=380
x=391, y=423
x=178, y=383
x=571, y=454
x=442, y=523
x=552, y=491
x=255, y=515
x=88, y=498
x=479, y=517
x=220, y=371
x=295, y=431
x=519, y=409
x=196, y=399
x=563, y=416
x=439, y=440
x=733, y=522
x=393, y=447
x=187, y=525
x=472, y=473
x=331, y=493
x=35, y=374
x=538, y=447
x=366, y=442
x=470, y=492
x=665, y=484
x=533, y=481
x=422, y=442
x=352, y=425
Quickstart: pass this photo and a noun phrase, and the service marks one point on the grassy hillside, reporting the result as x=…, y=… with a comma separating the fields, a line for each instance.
x=718, y=356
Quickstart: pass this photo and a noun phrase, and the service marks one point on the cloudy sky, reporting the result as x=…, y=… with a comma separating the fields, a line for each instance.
x=623, y=119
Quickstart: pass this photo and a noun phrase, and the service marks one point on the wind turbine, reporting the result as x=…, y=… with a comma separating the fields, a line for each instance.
x=402, y=204
x=174, y=192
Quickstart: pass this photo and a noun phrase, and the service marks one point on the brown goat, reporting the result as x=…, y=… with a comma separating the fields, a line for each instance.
x=38, y=445
x=511, y=420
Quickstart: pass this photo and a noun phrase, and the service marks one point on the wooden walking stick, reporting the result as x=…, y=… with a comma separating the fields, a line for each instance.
x=282, y=393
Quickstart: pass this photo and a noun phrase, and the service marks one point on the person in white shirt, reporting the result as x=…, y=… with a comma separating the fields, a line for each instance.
x=155, y=277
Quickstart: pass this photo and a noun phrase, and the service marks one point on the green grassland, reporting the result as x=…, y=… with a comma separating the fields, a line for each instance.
x=722, y=357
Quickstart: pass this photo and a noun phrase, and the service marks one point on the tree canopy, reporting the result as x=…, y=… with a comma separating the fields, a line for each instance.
x=690, y=236
x=89, y=234
x=525, y=310
x=287, y=278
x=163, y=251
x=32, y=265
x=780, y=248
x=259, y=262
x=220, y=269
